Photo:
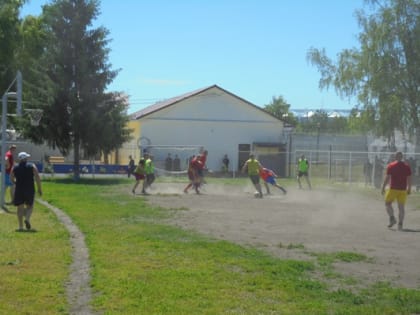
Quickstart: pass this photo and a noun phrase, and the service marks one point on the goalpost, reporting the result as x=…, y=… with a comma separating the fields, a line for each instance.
x=171, y=159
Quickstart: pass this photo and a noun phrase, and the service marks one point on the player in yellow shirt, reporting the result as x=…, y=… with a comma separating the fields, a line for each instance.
x=253, y=167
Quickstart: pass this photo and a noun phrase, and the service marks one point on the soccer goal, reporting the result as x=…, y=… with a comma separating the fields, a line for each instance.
x=171, y=160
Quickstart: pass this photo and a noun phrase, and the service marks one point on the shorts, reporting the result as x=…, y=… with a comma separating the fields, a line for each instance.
x=139, y=176
x=396, y=194
x=24, y=197
x=8, y=182
x=255, y=179
x=300, y=173
x=270, y=180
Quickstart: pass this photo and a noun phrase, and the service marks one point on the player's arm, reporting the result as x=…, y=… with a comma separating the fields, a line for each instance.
x=244, y=167
x=409, y=184
x=12, y=177
x=7, y=162
x=386, y=180
x=37, y=179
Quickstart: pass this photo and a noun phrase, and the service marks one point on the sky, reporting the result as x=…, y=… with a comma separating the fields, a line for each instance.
x=255, y=49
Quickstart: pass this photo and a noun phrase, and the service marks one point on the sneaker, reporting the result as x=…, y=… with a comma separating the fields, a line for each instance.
x=400, y=227
x=392, y=221
x=27, y=224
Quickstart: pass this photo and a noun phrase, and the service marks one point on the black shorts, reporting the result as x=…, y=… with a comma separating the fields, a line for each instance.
x=23, y=197
x=300, y=174
x=255, y=179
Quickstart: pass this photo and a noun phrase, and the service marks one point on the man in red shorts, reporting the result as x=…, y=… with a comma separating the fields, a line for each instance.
x=398, y=174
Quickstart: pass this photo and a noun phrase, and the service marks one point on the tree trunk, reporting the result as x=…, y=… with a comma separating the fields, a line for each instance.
x=76, y=162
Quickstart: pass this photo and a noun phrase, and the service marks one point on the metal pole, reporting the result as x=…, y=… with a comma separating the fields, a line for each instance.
x=3, y=147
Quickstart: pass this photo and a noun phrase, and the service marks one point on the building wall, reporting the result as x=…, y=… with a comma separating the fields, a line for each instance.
x=131, y=147
x=214, y=120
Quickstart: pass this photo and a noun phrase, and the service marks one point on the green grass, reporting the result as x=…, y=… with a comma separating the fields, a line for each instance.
x=142, y=266
x=33, y=266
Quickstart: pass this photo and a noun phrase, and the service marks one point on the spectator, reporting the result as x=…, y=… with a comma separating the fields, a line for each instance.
x=225, y=166
x=24, y=175
x=176, y=163
x=131, y=166
x=9, y=166
x=168, y=163
x=367, y=171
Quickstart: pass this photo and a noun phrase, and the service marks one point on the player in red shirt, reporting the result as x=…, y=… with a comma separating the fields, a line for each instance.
x=196, y=171
x=398, y=175
x=268, y=176
x=10, y=163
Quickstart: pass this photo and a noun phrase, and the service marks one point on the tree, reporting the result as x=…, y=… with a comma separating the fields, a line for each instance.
x=384, y=73
x=76, y=59
x=110, y=124
x=10, y=41
x=280, y=109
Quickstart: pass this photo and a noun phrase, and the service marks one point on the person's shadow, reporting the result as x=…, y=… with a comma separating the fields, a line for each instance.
x=407, y=230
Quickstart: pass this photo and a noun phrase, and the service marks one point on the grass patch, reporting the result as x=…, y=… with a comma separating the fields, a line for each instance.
x=142, y=266
x=33, y=266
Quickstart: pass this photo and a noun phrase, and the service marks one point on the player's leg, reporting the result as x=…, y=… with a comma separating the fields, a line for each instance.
x=389, y=199
x=401, y=199
x=20, y=213
x=281, y=188
x=28, y=214
x=298, y=179
x=267, y=188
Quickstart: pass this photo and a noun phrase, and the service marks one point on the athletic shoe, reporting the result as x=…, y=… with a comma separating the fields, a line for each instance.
x=400, y=227
x=27, y=224
x=392, y=221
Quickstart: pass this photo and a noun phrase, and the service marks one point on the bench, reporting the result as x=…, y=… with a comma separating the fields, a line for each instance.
x=56, y=159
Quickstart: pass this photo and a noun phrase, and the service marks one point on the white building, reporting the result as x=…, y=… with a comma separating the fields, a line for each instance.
x=216, y=120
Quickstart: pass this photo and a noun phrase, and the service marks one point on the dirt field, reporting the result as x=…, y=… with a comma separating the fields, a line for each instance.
x=320, y=220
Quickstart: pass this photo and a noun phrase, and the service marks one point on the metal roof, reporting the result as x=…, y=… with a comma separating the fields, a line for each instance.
x=174, y=100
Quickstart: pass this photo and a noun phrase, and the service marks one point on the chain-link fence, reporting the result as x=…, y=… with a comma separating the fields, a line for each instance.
x=346, y=166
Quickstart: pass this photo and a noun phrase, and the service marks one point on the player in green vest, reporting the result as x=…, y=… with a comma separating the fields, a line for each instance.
x=302, y=170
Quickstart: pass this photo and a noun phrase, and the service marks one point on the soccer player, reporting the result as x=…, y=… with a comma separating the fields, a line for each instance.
x=253, y=167
x=197, y=164
x=398, y=174
x=191, y=174
x=302, y=170
x=269, y=177
x=139, y=174
x=149, y=169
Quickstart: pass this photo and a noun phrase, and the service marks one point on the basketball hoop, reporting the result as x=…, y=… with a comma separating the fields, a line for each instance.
x=35, y=116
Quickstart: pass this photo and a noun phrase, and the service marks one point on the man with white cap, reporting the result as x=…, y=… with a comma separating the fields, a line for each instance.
x=24, y=175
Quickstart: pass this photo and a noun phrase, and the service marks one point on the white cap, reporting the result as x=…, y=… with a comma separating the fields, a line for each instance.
x=23, y=155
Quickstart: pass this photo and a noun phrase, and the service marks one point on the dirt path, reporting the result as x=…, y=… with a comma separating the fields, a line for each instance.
x=78, y=287
x=320, y=221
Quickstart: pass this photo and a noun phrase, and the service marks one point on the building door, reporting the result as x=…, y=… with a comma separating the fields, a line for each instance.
x=243, y=154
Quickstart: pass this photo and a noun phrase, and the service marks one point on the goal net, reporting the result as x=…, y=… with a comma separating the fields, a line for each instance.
x=172, y=159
